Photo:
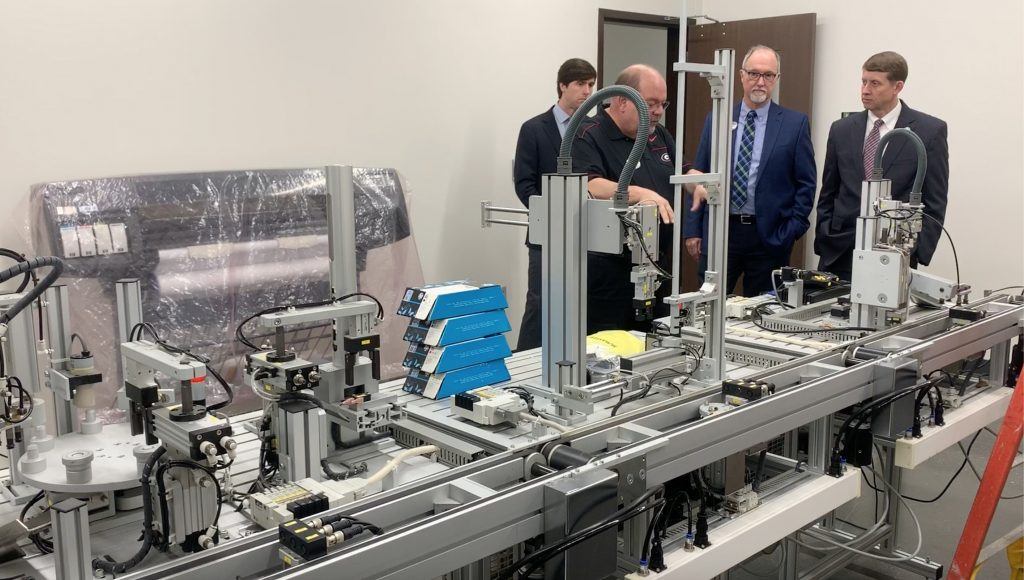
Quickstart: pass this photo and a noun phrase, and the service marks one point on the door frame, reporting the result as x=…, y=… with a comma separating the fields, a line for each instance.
x=670, y=24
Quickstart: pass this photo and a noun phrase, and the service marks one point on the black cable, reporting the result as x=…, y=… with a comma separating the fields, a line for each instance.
x=18, y=257
x=240, y=329
x=756, y=320
x=81, y=341
x=56, y=266
x=23, y=394
x=640, y=237
x=108, y=565
x=136, y=334
x=951, y=480
x=528, y=563
x=871, y=407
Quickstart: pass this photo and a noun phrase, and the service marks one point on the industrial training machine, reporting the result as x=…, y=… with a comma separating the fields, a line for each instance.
x=741, y=426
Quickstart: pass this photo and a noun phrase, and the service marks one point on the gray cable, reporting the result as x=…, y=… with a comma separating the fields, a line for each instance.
x=922, y=157
x=643, y=130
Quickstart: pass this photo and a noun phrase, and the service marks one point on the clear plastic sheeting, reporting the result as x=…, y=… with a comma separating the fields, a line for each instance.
x=210, y=249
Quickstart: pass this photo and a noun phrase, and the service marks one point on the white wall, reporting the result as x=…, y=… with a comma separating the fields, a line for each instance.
x=437, y=89
x=966, y=67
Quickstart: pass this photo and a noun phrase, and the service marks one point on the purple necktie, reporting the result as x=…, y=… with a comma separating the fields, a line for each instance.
x=870, y=147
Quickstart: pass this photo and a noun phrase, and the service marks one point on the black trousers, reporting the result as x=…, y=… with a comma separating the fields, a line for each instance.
x=841, y=266
x=529, y=330
x=749, y=257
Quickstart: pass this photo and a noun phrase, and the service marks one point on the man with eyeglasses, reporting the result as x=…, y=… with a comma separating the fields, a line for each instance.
x=773, y=178
x=600, y=150
x=849, y=157
x=536, y=153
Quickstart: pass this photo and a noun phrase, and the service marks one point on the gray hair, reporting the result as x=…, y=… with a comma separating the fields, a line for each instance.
x=757, y=47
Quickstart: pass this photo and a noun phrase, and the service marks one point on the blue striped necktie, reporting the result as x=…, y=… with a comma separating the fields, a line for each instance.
x=741, y=173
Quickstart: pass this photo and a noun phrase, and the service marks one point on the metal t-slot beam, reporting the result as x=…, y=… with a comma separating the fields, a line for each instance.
x=341, y=241
x=58, y=319
x=718, y=213
x=564, y=281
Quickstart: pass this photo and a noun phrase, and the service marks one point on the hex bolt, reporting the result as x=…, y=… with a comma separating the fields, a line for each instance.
x=78, y=466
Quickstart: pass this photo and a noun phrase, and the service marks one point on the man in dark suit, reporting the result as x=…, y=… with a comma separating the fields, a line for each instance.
x=773, y=180
x=849, y=156
x=536, y=152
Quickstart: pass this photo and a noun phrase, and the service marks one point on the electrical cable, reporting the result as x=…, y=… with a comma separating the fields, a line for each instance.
x=23, y=395
x=56, y=266
x=1007, y=288
x=951, y=479
x=534, y=418
x=756, y=320
x=529, y=563
x=978, y=475
x=638, y=230
x=911, y=556
x=106, y=563
x=240, y=329
x=136, y=334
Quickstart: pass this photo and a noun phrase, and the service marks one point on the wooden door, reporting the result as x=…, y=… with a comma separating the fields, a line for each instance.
x=793, y=37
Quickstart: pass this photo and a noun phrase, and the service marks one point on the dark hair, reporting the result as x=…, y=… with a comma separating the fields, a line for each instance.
x=574, y=69
x=892, y=64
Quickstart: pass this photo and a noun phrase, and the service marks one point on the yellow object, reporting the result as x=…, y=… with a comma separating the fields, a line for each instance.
x=1015, y=554
x=618, y=342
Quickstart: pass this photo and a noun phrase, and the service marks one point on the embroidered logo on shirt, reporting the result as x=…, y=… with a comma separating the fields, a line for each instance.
x=665, y=158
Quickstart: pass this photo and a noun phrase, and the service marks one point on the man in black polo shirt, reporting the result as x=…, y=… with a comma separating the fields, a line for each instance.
x=601, y=148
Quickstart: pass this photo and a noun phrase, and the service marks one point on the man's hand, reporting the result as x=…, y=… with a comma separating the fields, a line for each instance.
x=693, y=248
x=644, y=195
x=700, y=196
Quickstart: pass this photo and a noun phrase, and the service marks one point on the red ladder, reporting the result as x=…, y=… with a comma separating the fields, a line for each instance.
x=992, y=482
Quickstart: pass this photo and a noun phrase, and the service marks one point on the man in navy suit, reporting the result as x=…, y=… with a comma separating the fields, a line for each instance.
x=773, y=180
x=536, y=152
x=852, y=142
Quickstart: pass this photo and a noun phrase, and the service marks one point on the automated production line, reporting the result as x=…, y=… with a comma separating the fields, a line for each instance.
x=374, y=482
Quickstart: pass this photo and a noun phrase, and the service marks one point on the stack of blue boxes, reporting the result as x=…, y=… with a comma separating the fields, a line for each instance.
x=456, y=338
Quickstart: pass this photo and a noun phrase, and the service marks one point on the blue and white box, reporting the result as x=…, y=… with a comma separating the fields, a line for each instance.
x=441, y=359
x=458, y=329
x=431, y=303
x=443, y=385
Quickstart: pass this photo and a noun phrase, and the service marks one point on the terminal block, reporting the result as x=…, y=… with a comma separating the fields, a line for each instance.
x=304, y=541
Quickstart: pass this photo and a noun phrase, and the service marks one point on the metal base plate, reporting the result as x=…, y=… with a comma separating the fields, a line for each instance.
x=113, y=465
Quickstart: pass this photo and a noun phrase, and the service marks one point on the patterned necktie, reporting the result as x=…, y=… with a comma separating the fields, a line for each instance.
x=741, y=173
x=870, y=147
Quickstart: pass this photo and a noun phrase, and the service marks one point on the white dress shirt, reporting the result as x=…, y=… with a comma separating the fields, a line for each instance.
x=888, y=121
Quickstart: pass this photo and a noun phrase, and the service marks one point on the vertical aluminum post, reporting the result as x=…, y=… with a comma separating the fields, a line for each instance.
x=58, y=330
x=129, y=306
x=718, y=214
x=564, y=281
x=341, y=241
x=72, y=551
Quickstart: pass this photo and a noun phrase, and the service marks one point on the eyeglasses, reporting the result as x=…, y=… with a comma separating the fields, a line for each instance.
x=654, y=104
x=768, y=76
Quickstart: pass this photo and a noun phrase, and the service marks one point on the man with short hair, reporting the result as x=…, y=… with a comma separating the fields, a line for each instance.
x=536, y=153
x=600, y=150
x=849, y=157
x=773, y=180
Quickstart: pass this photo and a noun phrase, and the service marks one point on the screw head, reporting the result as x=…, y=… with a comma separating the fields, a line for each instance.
x=884, y=259
x=882, y=298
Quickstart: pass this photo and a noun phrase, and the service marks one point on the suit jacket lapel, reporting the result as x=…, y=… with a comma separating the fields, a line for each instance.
x=856, y=138
x=771, y=134
x=895, y=146
x=551, y=129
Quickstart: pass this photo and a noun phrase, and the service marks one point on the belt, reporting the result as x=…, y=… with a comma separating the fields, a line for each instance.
x=744, y=218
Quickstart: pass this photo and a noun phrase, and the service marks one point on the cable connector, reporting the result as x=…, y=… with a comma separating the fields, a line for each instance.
x=701, y=539
x=688, y=542
x=939, y=420
x=657, y=562
x=836, y=465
